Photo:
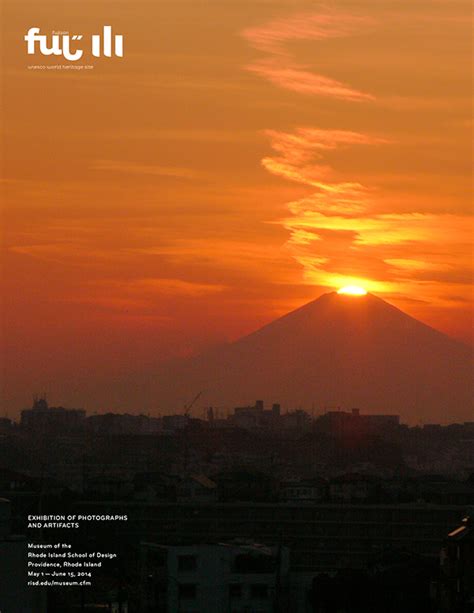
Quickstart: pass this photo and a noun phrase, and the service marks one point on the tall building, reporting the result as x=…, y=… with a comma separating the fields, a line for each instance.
x=256, y=417
x=344, y=423
x=234, y=577
x=43, y=418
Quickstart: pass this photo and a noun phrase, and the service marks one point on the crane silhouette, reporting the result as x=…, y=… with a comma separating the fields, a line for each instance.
x=189, y=406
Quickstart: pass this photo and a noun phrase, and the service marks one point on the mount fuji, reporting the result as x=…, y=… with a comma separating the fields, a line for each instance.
x=338, y=350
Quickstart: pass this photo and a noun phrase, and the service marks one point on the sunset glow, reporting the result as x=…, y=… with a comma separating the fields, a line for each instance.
x=240, y=160
x=352, y=290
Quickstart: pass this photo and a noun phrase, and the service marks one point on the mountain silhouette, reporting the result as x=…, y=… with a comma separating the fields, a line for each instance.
x=338, y=350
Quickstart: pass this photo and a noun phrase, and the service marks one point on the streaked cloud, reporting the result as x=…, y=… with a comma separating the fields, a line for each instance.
x=281, y=66
x=272, y=36
x=293, y=77
x=145, y=169
x=172, y=286
x=337, y=233
x=299, y=153
x=353, y=227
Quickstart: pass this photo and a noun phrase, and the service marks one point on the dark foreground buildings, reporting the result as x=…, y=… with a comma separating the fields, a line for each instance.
x=264, y=511
x=456, y=582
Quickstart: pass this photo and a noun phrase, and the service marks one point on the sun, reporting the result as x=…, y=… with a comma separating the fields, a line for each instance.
x=352, y=290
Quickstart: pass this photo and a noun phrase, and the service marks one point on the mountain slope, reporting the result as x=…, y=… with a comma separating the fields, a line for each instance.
x=339, y=350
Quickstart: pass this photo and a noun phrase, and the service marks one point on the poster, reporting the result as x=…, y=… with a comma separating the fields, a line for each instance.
x=236, y=310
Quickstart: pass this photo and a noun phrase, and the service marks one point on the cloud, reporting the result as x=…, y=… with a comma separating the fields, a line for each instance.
x=49, y=252
x=175, y=287
x=272, y=36
x=281, y=67
x=294, y=78
x=298, y=158
x=346, y=230
x=339, y=235
x=174, y=172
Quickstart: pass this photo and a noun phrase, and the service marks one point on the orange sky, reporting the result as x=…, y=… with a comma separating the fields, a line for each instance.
x=242, y=158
